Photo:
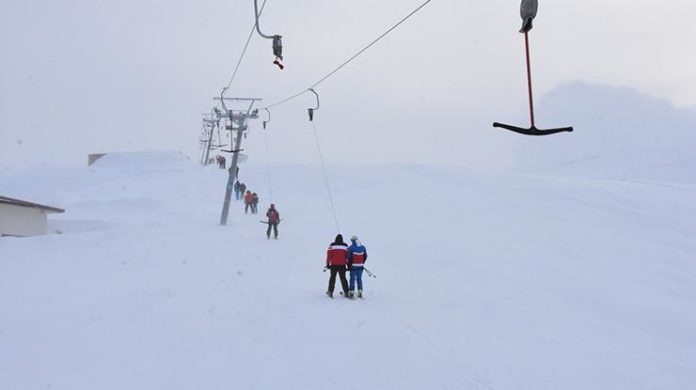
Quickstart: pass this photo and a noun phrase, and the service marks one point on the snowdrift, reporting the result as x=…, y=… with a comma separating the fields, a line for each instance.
x=620, y=134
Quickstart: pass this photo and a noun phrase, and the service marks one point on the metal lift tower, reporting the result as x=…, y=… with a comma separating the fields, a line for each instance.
x=236, y=121
x=210, y=121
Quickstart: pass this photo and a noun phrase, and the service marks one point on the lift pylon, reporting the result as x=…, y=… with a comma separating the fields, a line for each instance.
x=236, y=121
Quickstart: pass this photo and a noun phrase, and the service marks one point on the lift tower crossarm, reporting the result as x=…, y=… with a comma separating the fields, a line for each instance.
x=238, y=99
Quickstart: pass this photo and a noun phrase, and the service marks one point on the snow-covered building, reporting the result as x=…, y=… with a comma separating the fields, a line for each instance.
x=21, y=218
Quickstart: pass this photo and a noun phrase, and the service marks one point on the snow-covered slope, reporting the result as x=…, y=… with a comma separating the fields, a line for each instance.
x=484, y=281
x=143, y=161
x=620, y=134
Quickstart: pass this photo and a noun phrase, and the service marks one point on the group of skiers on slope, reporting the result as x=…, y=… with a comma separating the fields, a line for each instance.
x=239, y=190
x=251, y=201
x=221, y=161
x=341, y=258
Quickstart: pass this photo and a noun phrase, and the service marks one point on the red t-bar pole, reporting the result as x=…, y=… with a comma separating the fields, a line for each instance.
x=529, y=78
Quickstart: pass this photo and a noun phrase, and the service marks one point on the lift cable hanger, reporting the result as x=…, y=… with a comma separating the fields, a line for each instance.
x=528, y=11
x=277, y=39
x=265, y=123
x=246, y=46
x=356, y=55
x=311, y=110
x=326, y=177
x=222, y=100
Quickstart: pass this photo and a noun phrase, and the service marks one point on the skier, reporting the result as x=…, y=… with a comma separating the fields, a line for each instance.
x=357, y=256
x=248, y=198
x=242, y=190
x=254, y=203
x=336, y=258
x=237, y=190
x=273, y=221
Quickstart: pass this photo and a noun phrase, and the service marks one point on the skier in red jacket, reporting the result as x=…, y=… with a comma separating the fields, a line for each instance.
x=248, y=198
x=336, y=261
x=273, y=221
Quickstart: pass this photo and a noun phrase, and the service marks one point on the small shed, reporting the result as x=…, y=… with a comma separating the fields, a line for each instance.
x=21, y=218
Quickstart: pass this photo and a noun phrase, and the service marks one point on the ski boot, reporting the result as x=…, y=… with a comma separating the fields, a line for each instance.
x=351, y=294
x=360, y=294
x=329, y=294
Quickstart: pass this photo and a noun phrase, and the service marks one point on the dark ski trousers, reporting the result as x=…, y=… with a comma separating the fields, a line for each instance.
x=248, y=206
x=273, y=226
x=341, y=271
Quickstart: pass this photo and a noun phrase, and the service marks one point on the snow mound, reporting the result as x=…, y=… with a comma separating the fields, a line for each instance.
x=154, y=160
x=619, y=134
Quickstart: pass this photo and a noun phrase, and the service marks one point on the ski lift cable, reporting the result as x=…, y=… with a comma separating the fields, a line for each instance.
x=277, y=39
x=356, y=55
x=268, y=168
x=246, y=46
x=268, y=159
x=326, y=177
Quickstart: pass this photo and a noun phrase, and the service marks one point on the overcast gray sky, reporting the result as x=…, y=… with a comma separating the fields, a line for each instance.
x=85, y=76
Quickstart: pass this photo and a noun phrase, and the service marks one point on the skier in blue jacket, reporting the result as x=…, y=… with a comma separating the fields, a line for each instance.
x=357, y=256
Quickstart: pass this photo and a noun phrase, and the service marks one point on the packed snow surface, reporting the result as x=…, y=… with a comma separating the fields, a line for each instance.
x=484, y=281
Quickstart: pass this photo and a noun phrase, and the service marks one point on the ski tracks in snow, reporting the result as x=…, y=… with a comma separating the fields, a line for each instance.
x=471, y=378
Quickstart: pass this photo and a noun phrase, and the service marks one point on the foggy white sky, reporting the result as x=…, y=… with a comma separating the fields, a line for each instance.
x=85, y=76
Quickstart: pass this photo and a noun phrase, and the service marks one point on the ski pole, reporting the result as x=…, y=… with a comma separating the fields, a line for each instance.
x=367, y=271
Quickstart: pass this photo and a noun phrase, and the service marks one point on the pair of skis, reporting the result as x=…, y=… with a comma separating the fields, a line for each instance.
x=367, y=271
x=354, y=296
x=343, y=295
